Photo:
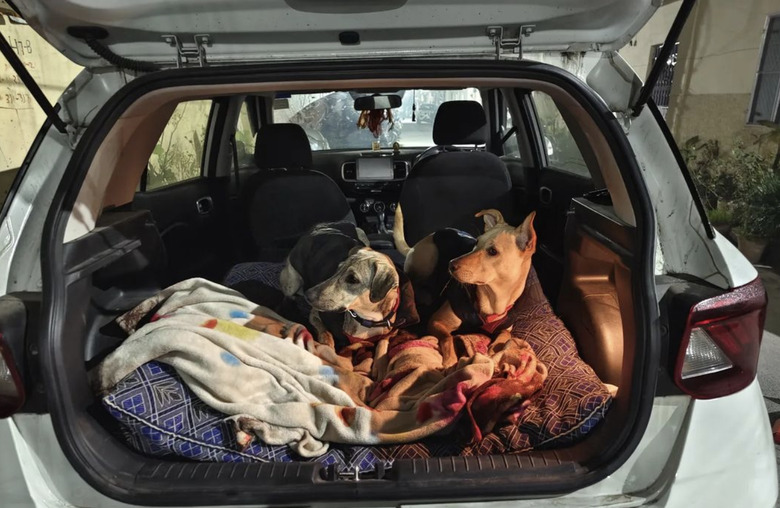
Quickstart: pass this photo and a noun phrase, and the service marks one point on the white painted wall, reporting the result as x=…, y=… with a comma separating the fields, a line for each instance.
x=20, y=115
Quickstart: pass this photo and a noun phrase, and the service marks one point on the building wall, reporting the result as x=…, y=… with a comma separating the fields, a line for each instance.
x=717, y=62
x=20, y=115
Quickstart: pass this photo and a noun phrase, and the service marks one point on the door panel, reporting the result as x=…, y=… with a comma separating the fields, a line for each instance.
x=556, y=190
x=525, y=185
x=192, y=219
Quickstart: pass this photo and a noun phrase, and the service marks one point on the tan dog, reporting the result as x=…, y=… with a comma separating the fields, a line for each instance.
x=355, y=293
x=492, y=275
x=365, y=288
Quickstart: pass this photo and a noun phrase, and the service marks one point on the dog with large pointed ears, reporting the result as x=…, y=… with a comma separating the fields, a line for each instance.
x=479, y=279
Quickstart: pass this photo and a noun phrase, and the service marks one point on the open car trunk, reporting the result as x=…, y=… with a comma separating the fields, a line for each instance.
x=606, y=300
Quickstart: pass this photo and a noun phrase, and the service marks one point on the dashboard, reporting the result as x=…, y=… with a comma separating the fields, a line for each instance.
x=371, y=182
x=374, y=184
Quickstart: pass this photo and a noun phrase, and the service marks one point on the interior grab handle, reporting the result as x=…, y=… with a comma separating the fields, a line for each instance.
x=545, y=195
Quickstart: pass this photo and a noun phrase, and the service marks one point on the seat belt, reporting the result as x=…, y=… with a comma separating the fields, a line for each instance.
x=234, y=149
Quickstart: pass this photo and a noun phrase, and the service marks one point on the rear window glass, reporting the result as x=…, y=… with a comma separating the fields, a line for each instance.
x=330, y=119
x=562, y=150
x=178, y=155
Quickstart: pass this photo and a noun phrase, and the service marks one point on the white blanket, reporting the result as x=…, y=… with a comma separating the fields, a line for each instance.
x=273, y=386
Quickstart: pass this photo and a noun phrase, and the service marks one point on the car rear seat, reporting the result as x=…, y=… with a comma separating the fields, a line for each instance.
x=448, y=185
x=283, y=199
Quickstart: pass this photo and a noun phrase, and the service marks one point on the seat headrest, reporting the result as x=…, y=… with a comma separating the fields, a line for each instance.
x=460, y=123
x=282, y=145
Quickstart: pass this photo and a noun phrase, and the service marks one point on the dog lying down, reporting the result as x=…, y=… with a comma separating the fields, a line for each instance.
x=355, y=292
x=488, y=275
x=479, y=280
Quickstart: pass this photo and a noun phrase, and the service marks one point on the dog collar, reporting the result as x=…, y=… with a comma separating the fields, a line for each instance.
x=382, y=323
x=491, y=322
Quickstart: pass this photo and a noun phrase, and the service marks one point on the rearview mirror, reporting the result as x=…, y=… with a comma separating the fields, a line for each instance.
x=374, y=102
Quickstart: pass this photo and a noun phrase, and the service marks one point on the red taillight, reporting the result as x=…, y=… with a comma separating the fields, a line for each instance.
x=11, y=386
x=719, y=348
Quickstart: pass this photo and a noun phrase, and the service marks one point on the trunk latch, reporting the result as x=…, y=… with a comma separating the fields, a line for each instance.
x=336, y=472
x=190, y=54
x=508, y=45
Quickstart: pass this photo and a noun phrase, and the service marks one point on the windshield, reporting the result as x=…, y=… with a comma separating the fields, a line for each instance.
x=330, y=119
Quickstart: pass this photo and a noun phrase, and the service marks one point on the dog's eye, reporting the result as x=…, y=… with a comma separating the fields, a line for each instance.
x=352, y=279
x=491, y=251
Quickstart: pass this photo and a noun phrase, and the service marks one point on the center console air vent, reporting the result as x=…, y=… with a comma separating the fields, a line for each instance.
x=349, y=171
x=400, y=170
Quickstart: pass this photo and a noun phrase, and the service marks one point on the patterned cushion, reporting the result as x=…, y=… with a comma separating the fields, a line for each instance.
x=570, y=404
x=264, y=273
x=162, y=417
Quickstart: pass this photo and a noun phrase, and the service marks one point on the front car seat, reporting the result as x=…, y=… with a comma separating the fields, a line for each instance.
x=448, y=184
x=284, y=199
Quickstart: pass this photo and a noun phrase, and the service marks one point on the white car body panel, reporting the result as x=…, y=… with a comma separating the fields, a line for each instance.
x=715, y=453
x=682, y=242
x=254, y=30
x=693, y=453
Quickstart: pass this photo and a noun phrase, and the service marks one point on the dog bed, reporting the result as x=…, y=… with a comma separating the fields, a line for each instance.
x=160, y=416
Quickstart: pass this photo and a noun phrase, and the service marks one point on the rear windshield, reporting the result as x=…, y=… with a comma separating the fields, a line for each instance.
x=330, y=119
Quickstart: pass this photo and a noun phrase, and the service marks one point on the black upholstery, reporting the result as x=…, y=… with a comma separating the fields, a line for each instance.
x=460, y=123
x=283, y=200
x=447, y=188
x=282, y=145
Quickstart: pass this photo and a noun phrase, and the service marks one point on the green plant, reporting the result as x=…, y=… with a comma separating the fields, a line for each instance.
x=245, y=147
x=714, y=175
x=771, y=136
x=720, y=216
x=175, y=158
x=757, y=208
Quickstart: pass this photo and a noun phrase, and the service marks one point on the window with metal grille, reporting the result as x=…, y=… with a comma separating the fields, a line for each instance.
x=766, y=92
x=663, y=87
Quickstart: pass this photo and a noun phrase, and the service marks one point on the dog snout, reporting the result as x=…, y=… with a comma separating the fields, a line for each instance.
x=453, y=266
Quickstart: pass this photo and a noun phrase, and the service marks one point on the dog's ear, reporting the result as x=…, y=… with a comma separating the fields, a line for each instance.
x=526, y=234
x=491, y=217
x=354, y=250
x=385, y=278
x=290, y=280
x=362, y=237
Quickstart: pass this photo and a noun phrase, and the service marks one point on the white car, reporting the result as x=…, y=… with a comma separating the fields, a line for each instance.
x=160, y=125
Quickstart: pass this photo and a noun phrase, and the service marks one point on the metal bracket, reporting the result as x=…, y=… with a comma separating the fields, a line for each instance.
x=187, y=55
x=504, y=44
x=353, y=474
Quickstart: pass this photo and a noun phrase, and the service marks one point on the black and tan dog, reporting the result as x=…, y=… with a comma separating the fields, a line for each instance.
x=355, y=292
x=489, y=275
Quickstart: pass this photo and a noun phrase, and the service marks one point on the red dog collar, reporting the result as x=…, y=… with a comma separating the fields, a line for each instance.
x=491, y=322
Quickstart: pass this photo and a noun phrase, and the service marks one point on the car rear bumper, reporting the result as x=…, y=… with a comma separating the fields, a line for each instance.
x=727, y=457
x=694, y=453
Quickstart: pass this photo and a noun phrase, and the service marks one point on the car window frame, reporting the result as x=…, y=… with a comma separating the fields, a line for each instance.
x=508, y=102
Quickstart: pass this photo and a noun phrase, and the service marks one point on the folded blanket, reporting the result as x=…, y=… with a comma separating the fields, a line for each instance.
x=280, y=385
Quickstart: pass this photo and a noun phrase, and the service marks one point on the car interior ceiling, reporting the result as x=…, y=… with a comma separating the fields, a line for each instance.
x=257, y=211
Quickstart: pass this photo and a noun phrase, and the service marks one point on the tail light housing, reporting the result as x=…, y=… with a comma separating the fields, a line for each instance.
x=11, y=386
x=720, y=345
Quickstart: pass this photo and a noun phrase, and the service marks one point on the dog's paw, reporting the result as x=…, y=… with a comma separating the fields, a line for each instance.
x=326, y=338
